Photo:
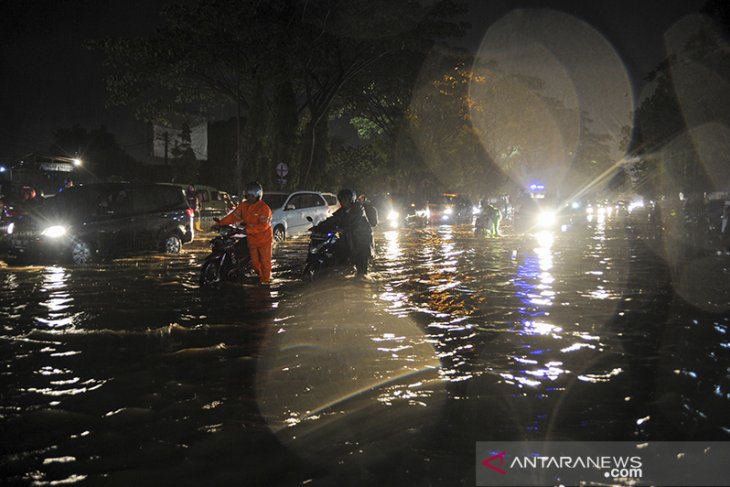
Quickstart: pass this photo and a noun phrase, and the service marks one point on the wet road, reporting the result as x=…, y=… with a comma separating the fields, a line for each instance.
x=127, y=371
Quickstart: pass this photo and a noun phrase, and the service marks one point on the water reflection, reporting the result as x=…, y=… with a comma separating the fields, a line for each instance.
x=58, y=300
x=340, y=376
x=456, y=340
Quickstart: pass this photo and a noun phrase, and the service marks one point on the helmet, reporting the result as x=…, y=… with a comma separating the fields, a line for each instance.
x=254, y=189
x=346, y=195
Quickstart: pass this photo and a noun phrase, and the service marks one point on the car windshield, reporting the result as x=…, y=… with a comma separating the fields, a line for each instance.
x=275, y=200
x=446, y=199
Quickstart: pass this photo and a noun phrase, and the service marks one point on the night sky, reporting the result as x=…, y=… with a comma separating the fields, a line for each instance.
x=50, y=80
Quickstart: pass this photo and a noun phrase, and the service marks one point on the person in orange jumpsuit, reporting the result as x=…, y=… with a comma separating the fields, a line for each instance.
x=256, y=215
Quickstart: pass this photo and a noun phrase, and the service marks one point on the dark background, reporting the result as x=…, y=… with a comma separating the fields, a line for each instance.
x=49, y=79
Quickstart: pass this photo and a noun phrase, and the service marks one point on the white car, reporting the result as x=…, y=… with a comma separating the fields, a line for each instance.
x=331, y=199
x=290, y=212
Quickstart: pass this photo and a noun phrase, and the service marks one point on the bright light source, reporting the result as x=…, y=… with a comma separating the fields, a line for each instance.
x=393, y=218
x=476, y=210
x=575, y=205
x=546, y=218
x=76, y=162
x=11, y=227
x=448, y=211
x=54, y=231
x=3, y=169
x=636, y=204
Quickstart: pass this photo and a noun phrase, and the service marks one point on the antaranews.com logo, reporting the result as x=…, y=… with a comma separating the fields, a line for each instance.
x=611, y=466
x=618, y=463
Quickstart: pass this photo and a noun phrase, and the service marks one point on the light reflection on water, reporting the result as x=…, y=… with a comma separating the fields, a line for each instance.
x=457, y=339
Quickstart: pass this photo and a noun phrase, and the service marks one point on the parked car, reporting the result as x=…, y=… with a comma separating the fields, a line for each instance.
x=447, y=208
x=85, y=222
x=331, y=200
x=290, y=212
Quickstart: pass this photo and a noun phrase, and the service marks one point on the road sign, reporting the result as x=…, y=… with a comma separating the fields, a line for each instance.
x=282, y=169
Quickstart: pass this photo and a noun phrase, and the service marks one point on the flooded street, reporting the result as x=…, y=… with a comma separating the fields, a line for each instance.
x=128, y=369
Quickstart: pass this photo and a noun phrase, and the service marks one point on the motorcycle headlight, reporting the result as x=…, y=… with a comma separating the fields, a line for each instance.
x=54, y=231
x=546, y=218
x=393, y=219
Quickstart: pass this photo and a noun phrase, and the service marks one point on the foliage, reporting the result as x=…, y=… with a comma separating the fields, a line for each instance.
x=690, y=91
x=284, y=64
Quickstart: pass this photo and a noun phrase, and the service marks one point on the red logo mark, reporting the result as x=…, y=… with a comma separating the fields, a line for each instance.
x=487, y=462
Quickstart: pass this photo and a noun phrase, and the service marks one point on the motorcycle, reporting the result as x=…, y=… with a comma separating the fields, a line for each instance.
x=229, y=259
x=320, y=256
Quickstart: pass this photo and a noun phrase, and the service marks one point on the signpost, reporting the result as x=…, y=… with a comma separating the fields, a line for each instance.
x=282, y=169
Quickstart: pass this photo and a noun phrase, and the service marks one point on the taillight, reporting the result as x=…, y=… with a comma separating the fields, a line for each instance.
x=190, y=212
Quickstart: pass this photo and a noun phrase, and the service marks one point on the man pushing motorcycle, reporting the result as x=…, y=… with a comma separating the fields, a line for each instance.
x=255, y=214
x=357, y=234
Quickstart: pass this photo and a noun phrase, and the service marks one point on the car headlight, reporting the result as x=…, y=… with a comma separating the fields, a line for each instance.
x=448, y=211
x=54, y=231
x=10, y=229
x=393, y=215
x=546, y=218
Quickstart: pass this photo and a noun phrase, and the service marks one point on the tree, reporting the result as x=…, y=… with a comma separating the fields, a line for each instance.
x=281, y=63
x=690, y=95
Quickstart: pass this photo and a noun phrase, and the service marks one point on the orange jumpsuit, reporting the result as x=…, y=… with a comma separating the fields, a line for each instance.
x=260, y=238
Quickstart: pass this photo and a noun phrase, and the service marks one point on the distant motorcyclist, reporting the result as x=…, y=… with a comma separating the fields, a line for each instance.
x=489, y=218
x=493, y=217
x=357, y=234
x=256, y=215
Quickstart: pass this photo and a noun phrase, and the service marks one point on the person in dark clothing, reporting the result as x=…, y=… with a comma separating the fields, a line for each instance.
x=357, y=235
x=370, y=211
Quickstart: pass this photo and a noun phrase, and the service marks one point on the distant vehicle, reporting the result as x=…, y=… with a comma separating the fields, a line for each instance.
x=89, y=221
x=290, y=212
x=448, y=208
x=214, y=203
x=396, y=210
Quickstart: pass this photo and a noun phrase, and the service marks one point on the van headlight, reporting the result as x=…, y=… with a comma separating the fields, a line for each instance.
x=54, y=231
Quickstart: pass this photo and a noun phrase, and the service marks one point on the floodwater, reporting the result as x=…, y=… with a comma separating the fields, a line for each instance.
x=127, y=372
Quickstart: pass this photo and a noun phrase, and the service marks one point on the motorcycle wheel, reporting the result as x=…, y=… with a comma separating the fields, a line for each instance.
x=311, y=272
x=210, y=273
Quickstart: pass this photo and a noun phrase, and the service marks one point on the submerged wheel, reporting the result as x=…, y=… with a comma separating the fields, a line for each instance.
x=210, y=273
x=81, y=252
x=279, y=233
x=311, y=272
x=172, y=244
